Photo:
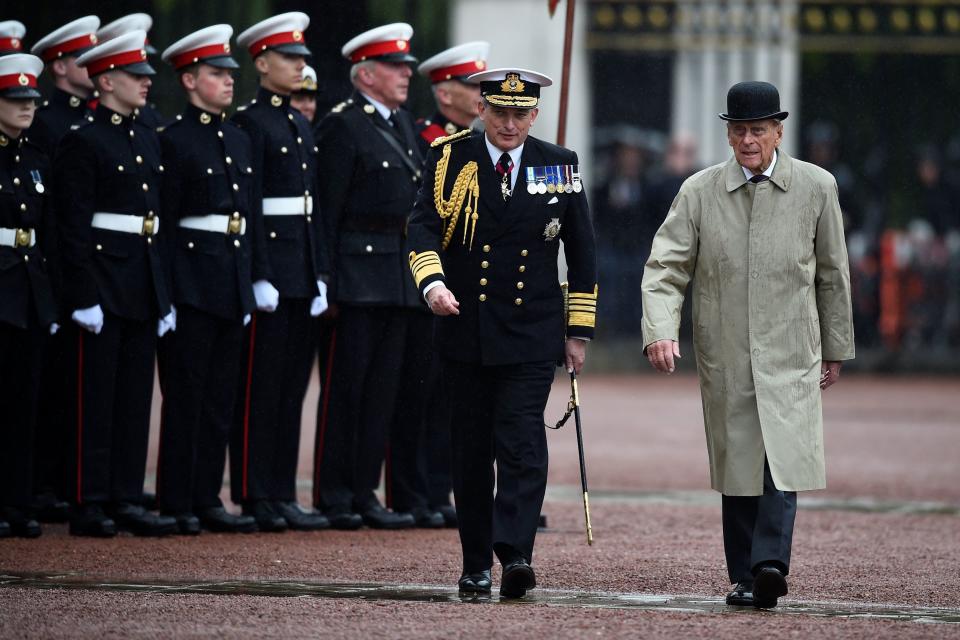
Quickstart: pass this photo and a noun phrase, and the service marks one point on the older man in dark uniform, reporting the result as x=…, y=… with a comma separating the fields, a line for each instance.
x=28, y=311
x=215, y=243
x=281, y=341
x=370, y=172
x=108, y=173
x=485, y=236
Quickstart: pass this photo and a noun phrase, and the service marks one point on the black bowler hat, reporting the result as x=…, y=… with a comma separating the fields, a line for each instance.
x=748, y=101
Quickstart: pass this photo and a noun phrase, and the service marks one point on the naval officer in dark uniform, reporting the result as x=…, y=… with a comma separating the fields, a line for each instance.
x=109, y=174
x=28, y=312
x=65, y=107
x=73, y=89
x=147, y=114
x=370, y=172
x=484, y=237
x=456, y=98
x=281, y=344
x=211, y=199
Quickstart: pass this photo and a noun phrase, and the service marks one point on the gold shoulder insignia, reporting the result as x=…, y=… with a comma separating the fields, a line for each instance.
x=445, y=139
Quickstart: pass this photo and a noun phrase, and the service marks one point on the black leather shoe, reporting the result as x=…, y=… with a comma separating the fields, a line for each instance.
x=49, y=508
x=22, y=524
x=769, y=584
x=517, y=577
x=140, y=522
x=267, y=518
x=427, y=519
x=300, y=519
x=4, y=529
x=220, y=520
x=376, y=517
x=742, y=595
x=449, y=513
x=90, y=520
x=479, y=582
x=343, y=519
x=187, y=523
x=149, y=501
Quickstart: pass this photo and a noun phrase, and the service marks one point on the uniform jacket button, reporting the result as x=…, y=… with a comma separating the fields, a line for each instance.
x=483, y=282
x=483, y=297
x=486, y=248
x=518, y=301
x=524, y=253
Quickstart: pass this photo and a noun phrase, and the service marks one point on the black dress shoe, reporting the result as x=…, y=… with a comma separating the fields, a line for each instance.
x=220, y=520
x=769, y=584
x=343, y=519
x=478, y=582
x=300, y=519
x=427, y=519
x=187, y=523
x=149, y=501
x=376, y=517
x=22, y=524
x=90, y=520
x=267, y=518
x=742, y=595
x=4, y=529
x=449, y=513
x=517, y=577
x=49, y=508
x=140, y=522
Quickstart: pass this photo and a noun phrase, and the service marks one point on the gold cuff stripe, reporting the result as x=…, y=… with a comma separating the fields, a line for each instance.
x=425, y=265
x=583, y=296
x=524, y=102
x=582, y=319
x=424, y=259
x=426, y=272
x=582, y=308
x=415, y=258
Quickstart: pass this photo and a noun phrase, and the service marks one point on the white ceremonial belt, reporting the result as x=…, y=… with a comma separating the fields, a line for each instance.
x=293, y=206
x=215, y=222
x=125, y=223
x=17, y=237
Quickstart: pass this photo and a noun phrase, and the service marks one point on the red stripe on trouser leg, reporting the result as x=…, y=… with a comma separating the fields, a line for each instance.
x=80, y=417
x=246, y=405
x=325, y=404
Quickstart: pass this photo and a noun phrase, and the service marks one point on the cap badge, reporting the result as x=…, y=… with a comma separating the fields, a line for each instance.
x=512, y=84
x=297, y=36
x=481, y=64
x=93, y=38
x=23, y=80
x=276, y=101
x=15, y=43
x=401, y=44
x=226, y=47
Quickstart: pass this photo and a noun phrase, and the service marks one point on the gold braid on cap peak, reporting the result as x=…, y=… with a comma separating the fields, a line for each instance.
x=465, y=188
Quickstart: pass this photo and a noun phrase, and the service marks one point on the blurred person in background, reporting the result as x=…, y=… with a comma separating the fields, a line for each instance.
x=305, y=99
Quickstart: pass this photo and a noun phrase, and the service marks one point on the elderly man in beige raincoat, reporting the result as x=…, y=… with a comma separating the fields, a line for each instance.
x=761, y=236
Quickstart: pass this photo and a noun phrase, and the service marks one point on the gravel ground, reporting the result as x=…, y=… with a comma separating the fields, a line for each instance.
x=887, y=439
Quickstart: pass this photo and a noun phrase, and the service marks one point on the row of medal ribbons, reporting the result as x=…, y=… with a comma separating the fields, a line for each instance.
x=560, y=178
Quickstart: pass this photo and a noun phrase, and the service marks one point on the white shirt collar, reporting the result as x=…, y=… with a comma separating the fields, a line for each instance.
x=381, y=108
x=514, y=154
x=769, y=172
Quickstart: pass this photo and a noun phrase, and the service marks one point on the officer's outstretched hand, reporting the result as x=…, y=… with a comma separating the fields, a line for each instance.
x=575, y=352
x=442, y=302
x=661, y=355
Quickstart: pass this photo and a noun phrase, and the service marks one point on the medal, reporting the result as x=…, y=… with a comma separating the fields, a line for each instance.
x=531, y=181
x=37, y=181
x=567, y=187
x=551, y=180
x=577, y=185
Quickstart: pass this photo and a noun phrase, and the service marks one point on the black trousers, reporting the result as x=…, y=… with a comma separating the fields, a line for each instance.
x=758, y=529
x=52, y=451
x=406, y=468
x=497, y=417
x=357, y=405
x=112, y=382
x=201, y=371
x=21, y=362
x=277, y=357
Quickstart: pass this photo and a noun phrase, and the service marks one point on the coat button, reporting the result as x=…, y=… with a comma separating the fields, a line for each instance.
x=273, y=234
x=304, y=166
x=386, y=164
x=99, y=247
x=486, y=248
x=369, y=248
x=518, y=301
x=484, y=264
x=524, y=253
x=236, y=187
x=149, y=240
x=483, y=282
x=309, y=219
x=283, y=149
x=23, y=206
x=483, y=297
x=189, y=245
x=139, y=159
x=236, y=215
x=236, y=243
x=146, y=187
x=522, y=268
x=519, y=285
x=299, y=140
x=17, y=180
x=26, y=258
x=209, y=171
x=229, y=160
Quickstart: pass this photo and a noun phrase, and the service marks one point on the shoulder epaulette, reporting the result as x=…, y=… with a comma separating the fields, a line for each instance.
x=346, y=104
x=451, y=138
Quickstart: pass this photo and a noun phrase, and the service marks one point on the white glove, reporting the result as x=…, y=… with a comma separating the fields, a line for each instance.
x=90, y=318
x=54, y=327
x=246, y=319
x=167, y=322
x=267, y=296
x=319, y=304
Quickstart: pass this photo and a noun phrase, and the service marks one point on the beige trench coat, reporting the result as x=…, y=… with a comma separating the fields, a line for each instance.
x=771, y=298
